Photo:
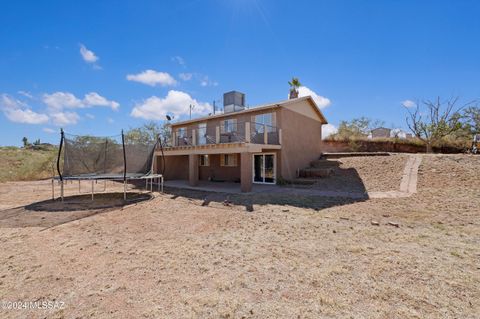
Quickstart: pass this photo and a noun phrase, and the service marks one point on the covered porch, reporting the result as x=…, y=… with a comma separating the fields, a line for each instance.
x=229, y=167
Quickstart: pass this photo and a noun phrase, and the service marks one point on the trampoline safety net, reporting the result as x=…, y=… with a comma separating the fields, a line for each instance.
x=103, y=157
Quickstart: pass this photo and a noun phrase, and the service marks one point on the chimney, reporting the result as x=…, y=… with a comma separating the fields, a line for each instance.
x=293, y=94
x=233, y=102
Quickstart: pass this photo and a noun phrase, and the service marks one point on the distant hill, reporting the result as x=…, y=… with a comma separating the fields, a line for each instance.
x=19, y=164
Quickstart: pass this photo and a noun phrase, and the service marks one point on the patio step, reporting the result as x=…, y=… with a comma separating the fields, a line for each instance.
x=312, y=172
x=324, y=163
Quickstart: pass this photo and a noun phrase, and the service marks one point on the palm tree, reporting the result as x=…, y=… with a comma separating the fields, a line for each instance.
x=294, y=85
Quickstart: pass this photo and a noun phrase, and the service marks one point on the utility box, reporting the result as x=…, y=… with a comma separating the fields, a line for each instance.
x=233, y=102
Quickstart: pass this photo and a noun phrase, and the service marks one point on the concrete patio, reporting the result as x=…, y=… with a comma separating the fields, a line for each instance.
x=222, y=187
x=234, y=188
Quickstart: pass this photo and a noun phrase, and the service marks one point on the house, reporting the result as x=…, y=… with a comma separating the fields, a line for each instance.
x=381, y=132
x=246, y=145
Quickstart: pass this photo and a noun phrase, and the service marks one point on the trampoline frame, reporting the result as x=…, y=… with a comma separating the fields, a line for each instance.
x=94, y=178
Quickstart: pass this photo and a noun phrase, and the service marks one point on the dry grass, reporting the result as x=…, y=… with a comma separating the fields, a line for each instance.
x=17, y=164
x=309, y=257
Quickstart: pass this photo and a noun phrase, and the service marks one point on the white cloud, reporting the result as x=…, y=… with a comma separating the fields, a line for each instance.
x=90, y=116
x=175, y=103
x=18, y=112
x=25, y=116
x=87, y=55
x=328, y=129
x=61, y=100
x=207, y=82
x=48, y=130
x=26, y=94
x=322, y=102
x=152, y=78
x=64, y=118
x=94, y=99
x=185, y=76
x=179, y=60
x=408, y=103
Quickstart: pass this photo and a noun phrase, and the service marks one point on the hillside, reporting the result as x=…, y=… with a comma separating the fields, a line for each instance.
x=18, y=164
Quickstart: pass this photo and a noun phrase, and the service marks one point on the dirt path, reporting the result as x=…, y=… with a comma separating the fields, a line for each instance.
x=408, y=185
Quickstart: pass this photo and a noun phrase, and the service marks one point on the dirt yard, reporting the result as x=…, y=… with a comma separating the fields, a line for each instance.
x=188, y=254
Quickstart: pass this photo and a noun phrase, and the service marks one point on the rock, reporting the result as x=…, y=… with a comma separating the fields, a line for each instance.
x=393, y=224
x=375, y=223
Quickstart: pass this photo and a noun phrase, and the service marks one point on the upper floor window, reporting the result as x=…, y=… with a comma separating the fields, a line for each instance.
x=182, y=132
x=229, y=126
x=264, y=120
x=182, y=138
x=202, y=134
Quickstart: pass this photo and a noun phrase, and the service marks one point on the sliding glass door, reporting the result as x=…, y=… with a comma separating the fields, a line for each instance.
x=264, y=168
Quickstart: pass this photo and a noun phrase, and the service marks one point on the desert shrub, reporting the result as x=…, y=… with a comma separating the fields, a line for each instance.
x=25, y=164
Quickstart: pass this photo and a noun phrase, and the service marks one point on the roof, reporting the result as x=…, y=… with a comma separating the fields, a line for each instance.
x=259, y=108
x=381, y=128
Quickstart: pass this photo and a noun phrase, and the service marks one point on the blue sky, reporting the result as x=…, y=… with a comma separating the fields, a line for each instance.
x=362, y=58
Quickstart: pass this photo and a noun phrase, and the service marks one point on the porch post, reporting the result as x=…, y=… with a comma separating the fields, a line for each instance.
x=265, y=134
x=246, y=172
x=193, y=169
x=217, y=135
x=194, y=137
x=247, y=132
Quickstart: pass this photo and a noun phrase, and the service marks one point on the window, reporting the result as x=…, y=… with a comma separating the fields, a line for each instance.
x=229, y=126
x=182, y=132
x=202, y=134
x=204, y=160
x=265, y=119
x=182, y=138
x=228, y=160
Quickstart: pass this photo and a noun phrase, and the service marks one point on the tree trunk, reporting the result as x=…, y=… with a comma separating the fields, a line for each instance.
x=429, y=148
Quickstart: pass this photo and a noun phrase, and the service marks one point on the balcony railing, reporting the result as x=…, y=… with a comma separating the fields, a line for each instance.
x=240, y=132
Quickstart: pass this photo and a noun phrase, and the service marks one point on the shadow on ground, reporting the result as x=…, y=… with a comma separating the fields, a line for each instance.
x=50, y=213
x=344, y=187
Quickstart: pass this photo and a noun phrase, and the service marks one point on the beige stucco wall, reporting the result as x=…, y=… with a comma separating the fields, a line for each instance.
x=176, y=167
x=301, y=140
x=217, y=172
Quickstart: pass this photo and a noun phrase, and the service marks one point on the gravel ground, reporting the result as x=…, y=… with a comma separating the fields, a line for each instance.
x=361, y=174
x=187, y=255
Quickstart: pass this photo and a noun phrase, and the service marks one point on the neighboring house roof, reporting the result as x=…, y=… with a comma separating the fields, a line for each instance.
x=259, y=108
x=381, y=128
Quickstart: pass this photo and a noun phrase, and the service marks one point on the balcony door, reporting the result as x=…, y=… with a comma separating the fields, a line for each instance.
x=202, y=134
x=264, y=168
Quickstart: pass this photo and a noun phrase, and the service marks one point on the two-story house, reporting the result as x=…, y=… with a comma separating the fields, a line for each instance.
x=255, y=145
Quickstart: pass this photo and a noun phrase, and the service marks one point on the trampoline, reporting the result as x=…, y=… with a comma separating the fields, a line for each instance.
x=113, y=158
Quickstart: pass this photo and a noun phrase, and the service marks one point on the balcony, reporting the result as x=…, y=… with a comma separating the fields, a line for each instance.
x=232, y=133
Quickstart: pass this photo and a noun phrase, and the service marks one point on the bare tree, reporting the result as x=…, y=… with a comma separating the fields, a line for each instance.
x=434, y=120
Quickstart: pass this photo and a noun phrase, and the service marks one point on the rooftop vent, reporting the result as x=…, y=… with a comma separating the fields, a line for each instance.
x=233, y=102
